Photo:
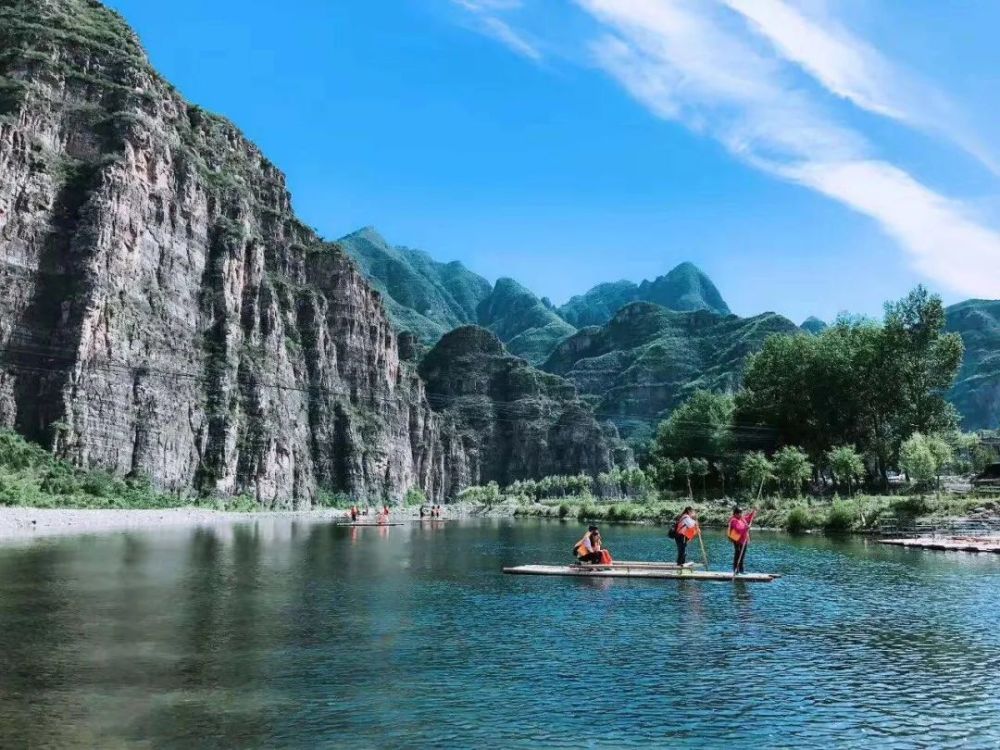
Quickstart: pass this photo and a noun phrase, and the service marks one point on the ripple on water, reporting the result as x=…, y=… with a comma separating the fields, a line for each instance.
x=413, y=638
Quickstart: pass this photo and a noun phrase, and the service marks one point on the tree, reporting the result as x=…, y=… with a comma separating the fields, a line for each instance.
x=636, y=482
x=792, y=468
x=943, y=455
x=700, y=468
x=701, y=427
x=847, y=466
x=756, y=471
x=917, y=459
x=860, y=383
x=682, y=470
x=663, y=474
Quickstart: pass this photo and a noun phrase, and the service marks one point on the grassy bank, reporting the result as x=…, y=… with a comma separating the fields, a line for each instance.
x=856, y=514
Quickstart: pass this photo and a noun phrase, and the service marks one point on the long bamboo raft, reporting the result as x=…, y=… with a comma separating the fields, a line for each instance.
x=370, y=523
x=626, y=570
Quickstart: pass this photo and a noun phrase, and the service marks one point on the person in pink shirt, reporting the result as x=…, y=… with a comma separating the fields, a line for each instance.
x=739, y=535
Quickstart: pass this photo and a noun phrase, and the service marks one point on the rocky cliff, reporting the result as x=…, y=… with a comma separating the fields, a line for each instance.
x=162, y=310
x=515, y=421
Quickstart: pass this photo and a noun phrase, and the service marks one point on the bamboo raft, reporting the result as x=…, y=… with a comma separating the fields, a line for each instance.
x=641, y=570
x=369, y=523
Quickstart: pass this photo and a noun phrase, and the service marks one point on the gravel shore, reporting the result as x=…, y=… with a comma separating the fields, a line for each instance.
x=20, y=523
x=25, y=523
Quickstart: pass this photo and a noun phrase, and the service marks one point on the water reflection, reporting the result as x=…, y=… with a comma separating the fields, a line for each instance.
x=294, y=634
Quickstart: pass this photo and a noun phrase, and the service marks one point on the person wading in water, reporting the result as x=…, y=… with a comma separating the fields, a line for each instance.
x=590, y=549
x=685, y=529
x=739, y=535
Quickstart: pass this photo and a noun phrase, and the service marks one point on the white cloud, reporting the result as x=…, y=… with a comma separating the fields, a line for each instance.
x=850, y=68
x=684, y=61
x=730, y=69
x=486, y=14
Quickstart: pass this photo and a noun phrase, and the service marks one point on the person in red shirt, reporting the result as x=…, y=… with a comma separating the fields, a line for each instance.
x=739, y=535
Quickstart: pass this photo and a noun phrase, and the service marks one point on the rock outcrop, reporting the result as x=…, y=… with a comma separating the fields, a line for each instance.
x=515, y=421
x=162, y=310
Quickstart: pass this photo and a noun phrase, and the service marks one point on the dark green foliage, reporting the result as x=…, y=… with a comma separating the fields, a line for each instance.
x=31, y=476
x=858, y=383
x=799, y=520
x=839, y=519
x=701, y=427
x=976, y=393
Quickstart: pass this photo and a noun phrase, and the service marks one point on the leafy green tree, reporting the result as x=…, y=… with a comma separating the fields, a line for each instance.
x=756, y=471
x=792, y=468
x=701, y=427
x=664, y=472
x=917, y=459
x=858, y=383
x=847, y=466
x=700, y=469
x=682, y=470
x=636, y=482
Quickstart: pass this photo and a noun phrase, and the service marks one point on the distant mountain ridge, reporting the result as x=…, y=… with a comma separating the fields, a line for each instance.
x=430, y=298
x=647, y=359
x=686, y=288
x=976, y=393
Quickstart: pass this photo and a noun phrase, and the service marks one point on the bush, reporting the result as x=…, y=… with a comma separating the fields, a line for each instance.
x=798, y=520
x=839, y=519
x=415, y=496
x=564, y=510
x=327, y=499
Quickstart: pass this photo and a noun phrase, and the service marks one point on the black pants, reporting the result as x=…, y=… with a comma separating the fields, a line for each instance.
x=739, y=557
x=590, y=557
x=682, y=548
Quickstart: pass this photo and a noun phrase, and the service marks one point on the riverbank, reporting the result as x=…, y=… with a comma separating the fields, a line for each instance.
x=25, y=522
x=859, y=514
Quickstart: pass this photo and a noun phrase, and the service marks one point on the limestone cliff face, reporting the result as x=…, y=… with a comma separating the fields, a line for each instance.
x=516, y=421
x=161, y=308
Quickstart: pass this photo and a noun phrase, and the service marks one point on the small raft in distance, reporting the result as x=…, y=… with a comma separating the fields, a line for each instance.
x=369, y=523
x=637, y=571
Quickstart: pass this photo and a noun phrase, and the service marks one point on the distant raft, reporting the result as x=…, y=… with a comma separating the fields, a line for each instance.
x=641, y=570
x=369, y=523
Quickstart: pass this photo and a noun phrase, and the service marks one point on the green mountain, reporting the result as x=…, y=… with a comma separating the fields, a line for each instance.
x=421, y=295
x=813, y=325
x=428, y=298
x=685, y=289
x=527, y=326
x=647, y=359
x=976, y=394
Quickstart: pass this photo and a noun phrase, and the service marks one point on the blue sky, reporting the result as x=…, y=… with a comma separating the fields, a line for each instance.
x=812, y=156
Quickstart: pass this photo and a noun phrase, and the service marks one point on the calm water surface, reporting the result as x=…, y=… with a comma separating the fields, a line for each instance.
x=284, y=634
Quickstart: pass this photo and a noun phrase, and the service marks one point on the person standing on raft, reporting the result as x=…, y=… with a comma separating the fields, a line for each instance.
x=739, y=535
x=685, y=529
x=590, y=548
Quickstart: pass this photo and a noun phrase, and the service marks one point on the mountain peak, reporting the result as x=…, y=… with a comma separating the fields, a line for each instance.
x=685, y=288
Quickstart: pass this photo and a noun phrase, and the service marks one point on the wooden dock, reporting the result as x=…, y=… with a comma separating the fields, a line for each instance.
x=636, y=571
x=948, y=544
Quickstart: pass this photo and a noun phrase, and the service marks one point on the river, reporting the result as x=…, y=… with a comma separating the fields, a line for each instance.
x=285, y=634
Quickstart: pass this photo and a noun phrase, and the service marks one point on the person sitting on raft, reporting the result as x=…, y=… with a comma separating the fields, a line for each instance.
x=685, y=529
x=739, y=535
x=590, y=549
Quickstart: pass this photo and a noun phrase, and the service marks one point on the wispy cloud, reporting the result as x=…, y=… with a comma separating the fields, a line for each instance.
x=486, y=15
x=703, y=63
x=849, y=67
